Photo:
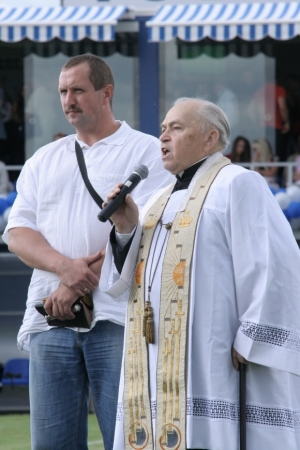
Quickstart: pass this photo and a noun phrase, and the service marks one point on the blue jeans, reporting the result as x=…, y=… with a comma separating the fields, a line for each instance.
x=63, y=365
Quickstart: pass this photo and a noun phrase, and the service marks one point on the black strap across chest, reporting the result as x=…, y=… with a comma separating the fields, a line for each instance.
x=82, y=167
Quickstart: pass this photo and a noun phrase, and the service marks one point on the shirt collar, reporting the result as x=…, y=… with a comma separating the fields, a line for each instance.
x=187, y=174
x=185, y=177
x=117, y=138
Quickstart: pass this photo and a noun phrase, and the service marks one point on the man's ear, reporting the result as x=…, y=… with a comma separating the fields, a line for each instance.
x=108, y=91
x=212, y=137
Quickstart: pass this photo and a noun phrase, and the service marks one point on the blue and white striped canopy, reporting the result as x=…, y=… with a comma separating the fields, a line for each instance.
x=68, y=23
x=222, y=22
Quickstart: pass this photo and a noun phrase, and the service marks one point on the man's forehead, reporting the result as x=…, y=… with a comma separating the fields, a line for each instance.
x=82, y=68
x=181, y=113
x=78, y=72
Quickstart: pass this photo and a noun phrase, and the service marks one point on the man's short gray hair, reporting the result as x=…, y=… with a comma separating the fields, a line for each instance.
x=211, y=117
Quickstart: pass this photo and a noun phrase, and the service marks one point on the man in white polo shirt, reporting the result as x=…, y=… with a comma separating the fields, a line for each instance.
x=53, y=227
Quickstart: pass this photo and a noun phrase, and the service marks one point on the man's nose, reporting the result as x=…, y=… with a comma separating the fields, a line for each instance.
x=164, y=136
x=69, y=99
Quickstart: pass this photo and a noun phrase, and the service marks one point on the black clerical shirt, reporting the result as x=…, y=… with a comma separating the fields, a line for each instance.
x=183, y=180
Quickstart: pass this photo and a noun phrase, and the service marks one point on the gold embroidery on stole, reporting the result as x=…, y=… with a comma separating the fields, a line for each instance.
x=171, y=382
x=137, y=410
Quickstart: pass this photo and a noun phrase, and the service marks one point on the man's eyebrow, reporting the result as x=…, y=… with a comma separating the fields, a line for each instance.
x=172, y=123
x=75, y=86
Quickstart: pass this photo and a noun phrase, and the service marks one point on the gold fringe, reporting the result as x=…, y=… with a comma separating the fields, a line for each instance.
x=145, y=319
x=148, y=333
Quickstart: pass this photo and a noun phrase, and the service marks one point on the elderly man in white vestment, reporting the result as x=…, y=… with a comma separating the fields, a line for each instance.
x=212, y=276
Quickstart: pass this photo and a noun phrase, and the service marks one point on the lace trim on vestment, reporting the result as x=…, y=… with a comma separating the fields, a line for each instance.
x=271, y=335
x=202, y=408
x=212, y=409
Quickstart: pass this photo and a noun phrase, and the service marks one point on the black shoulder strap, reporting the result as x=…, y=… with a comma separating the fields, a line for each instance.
x=83, y=171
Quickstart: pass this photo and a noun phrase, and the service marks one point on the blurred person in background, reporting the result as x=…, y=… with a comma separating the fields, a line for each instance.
x=5, y=185
x=18, y=117
x=59, y=135
x=296, y=175
x=293, y=158
x=241, y=150
x=226, y=99
x=270, y=109
x=293, y=103
x=262, y=153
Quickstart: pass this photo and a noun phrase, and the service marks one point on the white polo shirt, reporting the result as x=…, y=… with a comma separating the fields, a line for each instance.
x=53, y=200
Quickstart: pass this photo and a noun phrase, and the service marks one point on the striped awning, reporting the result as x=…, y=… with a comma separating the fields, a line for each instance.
x=222, y=22
x=68, y=23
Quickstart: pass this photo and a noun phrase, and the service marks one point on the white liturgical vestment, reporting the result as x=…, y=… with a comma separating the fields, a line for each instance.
x=245, y=292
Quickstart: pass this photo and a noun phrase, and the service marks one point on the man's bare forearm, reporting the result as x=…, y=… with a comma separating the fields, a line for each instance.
x=34, y=250
x=96, y=266
x=59, y=303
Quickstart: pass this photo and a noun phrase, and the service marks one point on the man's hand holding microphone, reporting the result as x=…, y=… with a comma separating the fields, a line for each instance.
x=120, y=207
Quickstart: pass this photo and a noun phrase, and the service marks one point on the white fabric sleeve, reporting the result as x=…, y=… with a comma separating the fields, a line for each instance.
x=23, y=212
x=266, y=262
x=122, y=239
x=120, y=283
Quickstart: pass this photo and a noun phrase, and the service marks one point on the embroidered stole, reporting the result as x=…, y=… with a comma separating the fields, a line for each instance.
x=173, y=320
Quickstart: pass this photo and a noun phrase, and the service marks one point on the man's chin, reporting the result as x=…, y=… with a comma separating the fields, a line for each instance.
x=72, y=120
x=73, y=115
x=169, y=168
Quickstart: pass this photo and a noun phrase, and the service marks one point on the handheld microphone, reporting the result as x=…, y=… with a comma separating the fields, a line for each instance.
x=139, y=173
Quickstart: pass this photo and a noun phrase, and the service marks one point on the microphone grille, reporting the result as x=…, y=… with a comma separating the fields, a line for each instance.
x=142, y=171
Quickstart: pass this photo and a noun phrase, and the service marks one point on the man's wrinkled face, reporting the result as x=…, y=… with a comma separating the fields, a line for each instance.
x=182, y=141
x=81, y=103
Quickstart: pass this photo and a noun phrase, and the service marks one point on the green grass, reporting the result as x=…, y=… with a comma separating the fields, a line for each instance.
x=15, y=433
